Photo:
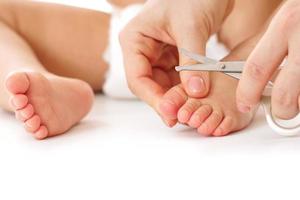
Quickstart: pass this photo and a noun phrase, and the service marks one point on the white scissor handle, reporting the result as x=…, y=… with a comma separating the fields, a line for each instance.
x=281, y=130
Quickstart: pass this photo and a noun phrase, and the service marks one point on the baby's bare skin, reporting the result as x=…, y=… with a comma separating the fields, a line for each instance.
x=57, y=53
x=124, y=3
x=51, y=62
x=246, y=19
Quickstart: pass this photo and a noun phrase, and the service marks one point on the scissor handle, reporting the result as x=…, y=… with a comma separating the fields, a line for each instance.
x=281, y=130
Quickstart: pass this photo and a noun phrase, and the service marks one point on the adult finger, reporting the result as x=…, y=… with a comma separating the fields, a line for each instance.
x=287, y=85
x=260, y=66
x=196, y=84
x=139, y=70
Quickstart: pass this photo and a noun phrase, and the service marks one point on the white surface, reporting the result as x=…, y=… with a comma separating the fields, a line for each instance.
x=123, y=151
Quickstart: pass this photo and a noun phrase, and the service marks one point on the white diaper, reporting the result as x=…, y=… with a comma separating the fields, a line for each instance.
x=116, y=85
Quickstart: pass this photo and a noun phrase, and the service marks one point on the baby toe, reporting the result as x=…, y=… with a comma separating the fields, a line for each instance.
x=41, y=133
x=200, y=116
x=18, y=101
x=170, y=122
x=17, y=82
x=211, y=123
x=172, y=102
x=225, y=127
x=187, y=110
x=25, y=113
x=33, y=124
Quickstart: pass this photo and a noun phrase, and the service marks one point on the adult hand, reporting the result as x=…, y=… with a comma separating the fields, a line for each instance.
x=149, y=43
x=281, y=39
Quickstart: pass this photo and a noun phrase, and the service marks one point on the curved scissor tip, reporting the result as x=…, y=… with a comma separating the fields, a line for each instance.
x=281, y=130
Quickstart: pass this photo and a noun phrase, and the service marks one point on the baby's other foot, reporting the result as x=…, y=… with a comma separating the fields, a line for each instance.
x=215, y=114
x=48, y=105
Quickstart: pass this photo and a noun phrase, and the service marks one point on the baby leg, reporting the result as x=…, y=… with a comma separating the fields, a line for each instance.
x=124, y=3
x=50, y=62
x=246, y=19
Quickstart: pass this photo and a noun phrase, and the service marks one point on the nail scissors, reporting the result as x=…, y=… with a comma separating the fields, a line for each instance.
x=234, y=69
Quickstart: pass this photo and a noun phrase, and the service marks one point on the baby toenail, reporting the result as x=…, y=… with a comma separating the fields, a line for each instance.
x=199, y=121
x=244, y=108
x=23, y=114
x=16, y=103
x=196, y=84
x=29, y=125
x=168, y=123
x=11, y=103
x=19, y=102
x=218, y=131
x=184, y=114
x=203, y=129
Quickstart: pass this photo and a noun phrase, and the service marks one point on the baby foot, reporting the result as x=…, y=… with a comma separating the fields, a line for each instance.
x=215, y=114
x=48, y=105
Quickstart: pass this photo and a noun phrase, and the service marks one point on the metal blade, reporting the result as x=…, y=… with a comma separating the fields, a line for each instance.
x=233, y=65
x=218, y=67
x=197, y=57
x=234, y=75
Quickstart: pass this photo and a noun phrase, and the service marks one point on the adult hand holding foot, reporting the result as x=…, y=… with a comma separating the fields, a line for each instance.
x=280, y=40
x=149, y=44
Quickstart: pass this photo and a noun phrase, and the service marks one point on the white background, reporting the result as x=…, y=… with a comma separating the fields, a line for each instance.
x=123, y=151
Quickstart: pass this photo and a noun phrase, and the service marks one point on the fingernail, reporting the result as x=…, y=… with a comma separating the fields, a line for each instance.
x=23, y=114
x=244, y=108
x=196, y=84
x=11, y=103
x=167, y=123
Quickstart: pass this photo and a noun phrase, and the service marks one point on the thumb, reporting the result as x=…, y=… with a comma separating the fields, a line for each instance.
x=196, y=84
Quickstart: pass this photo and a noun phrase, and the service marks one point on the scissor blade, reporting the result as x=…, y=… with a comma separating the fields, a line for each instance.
x=218, y=67
x=237, y=76
x=197, y=57
x=198, y=67
x=233, y=65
